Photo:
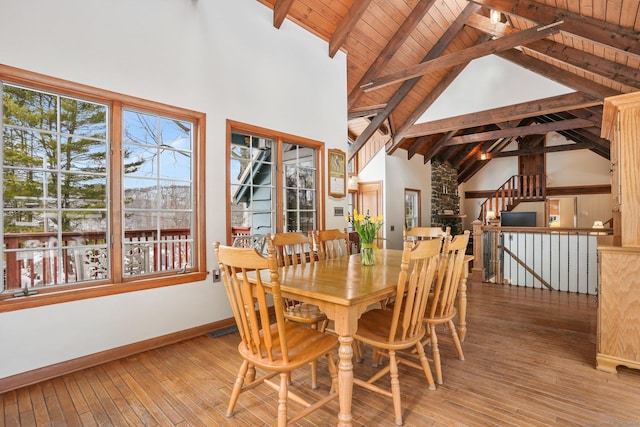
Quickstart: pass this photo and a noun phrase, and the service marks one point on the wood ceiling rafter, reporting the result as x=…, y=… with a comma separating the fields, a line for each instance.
x=566, y=78
x=511, y=112
x=280, y=11
x=581, y=60
x=625, y=40
x=346, y=25
x=400, y=36
x=539, y=150
x=554, y=126
x=367, y=111
x=441, y=142
x=406, y=86
x=587, y=62
x=466, y=55
x=434, y=94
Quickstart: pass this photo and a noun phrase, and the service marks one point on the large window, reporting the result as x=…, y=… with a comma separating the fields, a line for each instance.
x=97, y=188
x=273, y=181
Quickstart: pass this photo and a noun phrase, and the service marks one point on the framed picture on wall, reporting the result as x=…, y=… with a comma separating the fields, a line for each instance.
x=337, y=173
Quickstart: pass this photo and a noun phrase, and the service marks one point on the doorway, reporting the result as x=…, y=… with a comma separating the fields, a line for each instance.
x=561, y=212
x=370, y=199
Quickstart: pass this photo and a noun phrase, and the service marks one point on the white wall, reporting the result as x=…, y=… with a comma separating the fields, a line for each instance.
x=401, y=174
x=221, y=57
x=490, y=82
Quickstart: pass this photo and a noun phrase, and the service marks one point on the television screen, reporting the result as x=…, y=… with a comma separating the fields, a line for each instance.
x=518, y=219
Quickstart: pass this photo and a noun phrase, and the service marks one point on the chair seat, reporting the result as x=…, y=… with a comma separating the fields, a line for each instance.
x=443, y=319
x=374, y=327
x=304, y=345
x=304, y=313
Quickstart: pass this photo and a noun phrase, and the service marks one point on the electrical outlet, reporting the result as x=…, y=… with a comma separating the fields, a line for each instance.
x=216, y=275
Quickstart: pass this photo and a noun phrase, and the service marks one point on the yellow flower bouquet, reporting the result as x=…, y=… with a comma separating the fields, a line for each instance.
x=367, y=228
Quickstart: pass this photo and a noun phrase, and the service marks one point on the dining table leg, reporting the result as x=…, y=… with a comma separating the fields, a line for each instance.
x=462, y=303
x=345, y=379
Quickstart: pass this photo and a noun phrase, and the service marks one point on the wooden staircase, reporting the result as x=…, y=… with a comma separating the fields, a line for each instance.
x=518, y=188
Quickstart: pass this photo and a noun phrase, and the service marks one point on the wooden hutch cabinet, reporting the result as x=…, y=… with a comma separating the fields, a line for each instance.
x=618, y=341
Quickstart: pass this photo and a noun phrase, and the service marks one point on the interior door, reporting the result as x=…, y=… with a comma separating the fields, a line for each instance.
x=370, y=199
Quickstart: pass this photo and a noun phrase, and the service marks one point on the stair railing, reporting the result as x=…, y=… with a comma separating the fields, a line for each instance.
x=518, y=188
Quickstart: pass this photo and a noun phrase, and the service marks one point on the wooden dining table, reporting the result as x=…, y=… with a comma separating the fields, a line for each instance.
x=344, y=289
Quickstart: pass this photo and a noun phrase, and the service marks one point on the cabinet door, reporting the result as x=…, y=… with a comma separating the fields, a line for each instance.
x=618, y=309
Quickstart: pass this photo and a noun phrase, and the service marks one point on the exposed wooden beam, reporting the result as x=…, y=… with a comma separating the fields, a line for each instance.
x=610, y=70
x=430, y=98
x=424, y=105
x=474, y=165
x=368, y=111
x=466, y=55
x=408, y=85
x=583, y=189
x=521, y=131
x=346, y=24
x=468, y=153
x=550, y=191
x=551, y=149
x=280, y=11
x=623, y=39
x=554, y=73
x=580, y=59
x=442, y=142
x=570, y=101
x=418, y=145
x=398, y=39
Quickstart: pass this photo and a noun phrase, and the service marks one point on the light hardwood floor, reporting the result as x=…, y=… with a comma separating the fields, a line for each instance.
x=529, y=362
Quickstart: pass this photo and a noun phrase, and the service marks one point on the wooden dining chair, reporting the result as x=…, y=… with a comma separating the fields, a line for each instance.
x=423, y=233
x=276, y=348
x=293, y=249
x=257, y=241
x=333, y=243
x=441, y=309
x=402, y=328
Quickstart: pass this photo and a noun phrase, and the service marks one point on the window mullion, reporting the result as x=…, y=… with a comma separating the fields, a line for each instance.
x=115, y=178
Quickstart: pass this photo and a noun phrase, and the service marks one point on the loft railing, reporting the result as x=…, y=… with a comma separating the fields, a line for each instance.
x=34, y=260
x=518, y=188
x=562, y=259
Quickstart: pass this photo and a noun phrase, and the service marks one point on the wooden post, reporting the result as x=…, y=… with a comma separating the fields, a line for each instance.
x=477, y=272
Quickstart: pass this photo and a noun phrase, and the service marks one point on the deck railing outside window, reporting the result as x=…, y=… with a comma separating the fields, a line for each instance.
x=35, y=260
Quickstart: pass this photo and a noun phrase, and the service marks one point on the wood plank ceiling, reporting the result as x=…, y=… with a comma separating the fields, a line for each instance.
x=402, y=54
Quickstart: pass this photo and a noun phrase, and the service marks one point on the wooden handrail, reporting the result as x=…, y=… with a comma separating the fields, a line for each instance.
x=516, y=189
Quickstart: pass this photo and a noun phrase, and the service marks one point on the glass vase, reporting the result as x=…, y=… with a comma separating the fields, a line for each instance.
x=366, y=254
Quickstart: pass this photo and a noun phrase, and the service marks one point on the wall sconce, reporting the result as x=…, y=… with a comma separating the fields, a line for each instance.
x=483, y=156
x=495, y=16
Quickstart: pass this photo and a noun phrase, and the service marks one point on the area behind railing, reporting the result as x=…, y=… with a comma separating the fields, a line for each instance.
x=562, y=259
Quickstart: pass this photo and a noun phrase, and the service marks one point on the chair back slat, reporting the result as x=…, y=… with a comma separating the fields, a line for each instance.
x=250, y=241
x=425, y=233
x=417, y=272
x=249, y=301
x=292, y=248
x=332, y=243
x=445, y=289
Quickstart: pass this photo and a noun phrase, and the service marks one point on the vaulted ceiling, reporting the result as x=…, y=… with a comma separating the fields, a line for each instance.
x=403, y=54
